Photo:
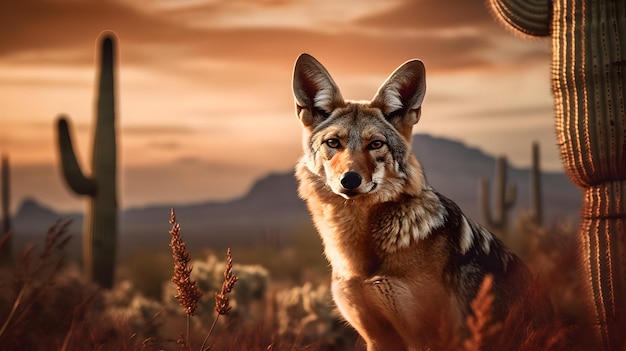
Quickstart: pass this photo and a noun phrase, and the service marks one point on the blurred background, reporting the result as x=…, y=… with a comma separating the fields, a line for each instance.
x=206, y=124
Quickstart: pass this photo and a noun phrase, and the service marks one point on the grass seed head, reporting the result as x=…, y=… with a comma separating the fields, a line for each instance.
x=222, y=305
x=188, y=292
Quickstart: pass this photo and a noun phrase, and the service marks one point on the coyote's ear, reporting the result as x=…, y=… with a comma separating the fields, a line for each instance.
x=315, y=91
x=401, y=95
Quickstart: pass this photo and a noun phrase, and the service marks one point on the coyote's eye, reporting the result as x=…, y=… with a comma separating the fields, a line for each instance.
x=375, y=145
x=332, y=143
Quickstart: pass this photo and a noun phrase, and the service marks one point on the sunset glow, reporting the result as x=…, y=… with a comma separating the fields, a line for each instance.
x=204, y=86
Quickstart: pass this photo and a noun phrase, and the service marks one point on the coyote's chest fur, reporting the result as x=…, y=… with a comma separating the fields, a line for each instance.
x=403, y=257
x=356, y=234
x=386, y=269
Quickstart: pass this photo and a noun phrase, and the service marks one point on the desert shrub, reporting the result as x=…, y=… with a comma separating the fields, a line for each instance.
x=250, y=292
x=304, y=310
x=126, y=303
x=306, y=314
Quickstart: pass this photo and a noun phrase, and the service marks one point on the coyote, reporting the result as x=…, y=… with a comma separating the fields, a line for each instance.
x=401, y=253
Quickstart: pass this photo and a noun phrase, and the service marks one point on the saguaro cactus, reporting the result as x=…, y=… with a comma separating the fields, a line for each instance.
x=536, y=209
x=505, y=195
x=100, y=233
x=589, y=86
x=5, y=251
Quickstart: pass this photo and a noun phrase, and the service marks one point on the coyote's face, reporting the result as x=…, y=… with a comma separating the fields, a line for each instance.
x=359, y=149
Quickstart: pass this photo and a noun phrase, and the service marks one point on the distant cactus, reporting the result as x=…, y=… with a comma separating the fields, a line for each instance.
x=5, y=250
x=589, y=87
x=536, y=209
x=99, y=239
x=505, y=195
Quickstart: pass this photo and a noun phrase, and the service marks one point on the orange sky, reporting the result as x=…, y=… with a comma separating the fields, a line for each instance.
x=204, y=86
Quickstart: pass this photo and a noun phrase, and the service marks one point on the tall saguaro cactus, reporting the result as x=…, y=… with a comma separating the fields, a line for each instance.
x=589, y=86
x=100, y=233
x=505, y=195
x=536, y=202
x=5, y=251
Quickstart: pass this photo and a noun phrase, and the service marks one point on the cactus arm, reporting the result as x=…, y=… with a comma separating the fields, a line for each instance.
x=73, y=175
x=530, y=17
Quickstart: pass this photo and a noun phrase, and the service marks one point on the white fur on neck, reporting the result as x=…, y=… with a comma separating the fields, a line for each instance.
x=413, y=220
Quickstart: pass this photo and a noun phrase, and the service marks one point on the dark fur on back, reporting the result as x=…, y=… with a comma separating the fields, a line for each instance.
x=510, y=274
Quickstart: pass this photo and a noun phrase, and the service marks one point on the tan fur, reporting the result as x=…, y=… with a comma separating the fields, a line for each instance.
x=385, y=236
x=402, y=299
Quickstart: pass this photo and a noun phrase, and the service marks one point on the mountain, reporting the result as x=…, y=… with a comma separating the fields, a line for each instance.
x=272, y=211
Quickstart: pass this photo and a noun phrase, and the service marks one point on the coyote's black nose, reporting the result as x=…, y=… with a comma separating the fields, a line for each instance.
x=351, y=180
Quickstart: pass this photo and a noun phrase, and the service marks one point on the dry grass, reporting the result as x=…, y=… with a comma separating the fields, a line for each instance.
x=50, y=307
x=45, y=304
x=222, y=306
x=222, y=303
x=480, y=324
x=188, y=292
x=33, y=274
x=523, y=329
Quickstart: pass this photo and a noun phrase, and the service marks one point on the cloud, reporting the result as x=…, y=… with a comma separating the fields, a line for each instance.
x=319, y=15
x=448, y=34
x=432, y=14
x=160, y=130
x=41, y=25
x=165, y=145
